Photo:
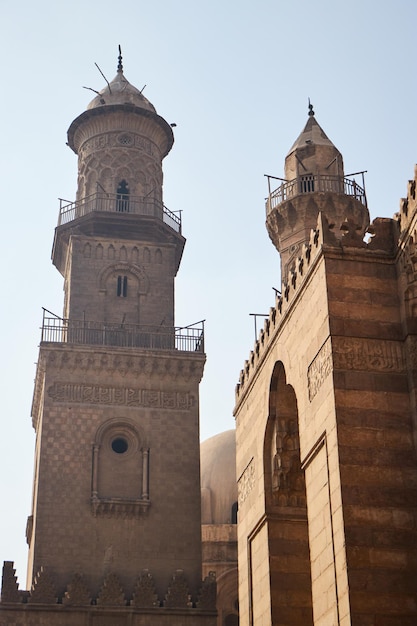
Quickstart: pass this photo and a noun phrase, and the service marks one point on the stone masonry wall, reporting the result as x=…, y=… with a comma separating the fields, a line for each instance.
x=155, y=396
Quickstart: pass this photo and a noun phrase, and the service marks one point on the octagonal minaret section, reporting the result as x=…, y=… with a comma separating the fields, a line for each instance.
x=118, y=246
x=314, y=182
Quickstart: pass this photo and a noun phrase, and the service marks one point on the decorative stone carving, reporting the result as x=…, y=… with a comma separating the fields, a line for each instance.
x=111, y=593
x=119, y=507
x=129, y=140
x=100, y=394
x=144, y=595
x=288, y=487
x=412, y=350
x=77, y=593
x=43, y=589
x=173, y=367
x=367, y=355
x=246, y=482
x=178, y=595
x=353, y=235
x=319, y=369
x=9, y=585
x=208, y=593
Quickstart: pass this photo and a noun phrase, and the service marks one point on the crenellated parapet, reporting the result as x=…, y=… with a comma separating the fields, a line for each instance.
x=111, y=593
x=383, y=241
x=408, y=207
x=407, y=223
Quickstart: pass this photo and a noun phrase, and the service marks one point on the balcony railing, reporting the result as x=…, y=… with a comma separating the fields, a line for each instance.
x=311, y=183
x=118, y=203
x=58, y=330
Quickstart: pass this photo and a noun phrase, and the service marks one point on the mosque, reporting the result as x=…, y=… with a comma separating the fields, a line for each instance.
x=307, y=513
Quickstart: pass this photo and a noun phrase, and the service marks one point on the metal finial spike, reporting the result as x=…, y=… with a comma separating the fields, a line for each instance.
x=310, y=108
x=120, y=64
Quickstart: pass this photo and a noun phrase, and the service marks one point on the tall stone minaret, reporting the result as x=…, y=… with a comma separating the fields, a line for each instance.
x=116, y=403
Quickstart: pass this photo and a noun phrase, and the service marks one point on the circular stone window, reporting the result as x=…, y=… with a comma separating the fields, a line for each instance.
x=119, y=445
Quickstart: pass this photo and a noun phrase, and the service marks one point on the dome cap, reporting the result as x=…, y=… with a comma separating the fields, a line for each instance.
x=120, y=91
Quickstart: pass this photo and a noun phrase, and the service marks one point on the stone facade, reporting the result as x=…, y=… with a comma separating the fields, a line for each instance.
x=115, y=531
x=325, y=408
x=325, y=417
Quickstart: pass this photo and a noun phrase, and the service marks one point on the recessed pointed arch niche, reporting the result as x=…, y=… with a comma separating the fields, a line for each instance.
x=120, y=469
x=285, y=507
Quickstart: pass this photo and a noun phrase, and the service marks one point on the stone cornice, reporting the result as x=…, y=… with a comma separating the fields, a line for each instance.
x=74, y=363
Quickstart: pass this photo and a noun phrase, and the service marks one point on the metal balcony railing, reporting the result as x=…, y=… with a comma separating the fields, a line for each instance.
x=60, y=330
x=118, y=203
x=311, y=183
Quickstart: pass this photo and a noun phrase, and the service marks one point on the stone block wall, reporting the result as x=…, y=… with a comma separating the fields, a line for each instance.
x=338, y=332
x=78, y=527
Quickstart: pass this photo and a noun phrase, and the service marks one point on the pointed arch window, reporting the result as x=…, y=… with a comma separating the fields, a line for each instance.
x=122, y=197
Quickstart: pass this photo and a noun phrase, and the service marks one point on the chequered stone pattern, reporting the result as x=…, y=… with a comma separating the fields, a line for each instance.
x=67, y=431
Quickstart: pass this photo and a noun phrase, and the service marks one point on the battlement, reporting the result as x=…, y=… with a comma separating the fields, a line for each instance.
x=111, y=594
x=408, y=207
x=382, y=241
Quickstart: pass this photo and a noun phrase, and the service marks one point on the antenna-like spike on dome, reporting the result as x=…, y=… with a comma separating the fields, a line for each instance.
x=310, y=108
x=120, y=64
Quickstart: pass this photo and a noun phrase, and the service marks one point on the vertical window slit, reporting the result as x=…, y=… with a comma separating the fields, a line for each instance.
x=121, y=286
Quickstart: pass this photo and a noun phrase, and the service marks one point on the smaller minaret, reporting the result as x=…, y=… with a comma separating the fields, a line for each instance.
x=314, y=182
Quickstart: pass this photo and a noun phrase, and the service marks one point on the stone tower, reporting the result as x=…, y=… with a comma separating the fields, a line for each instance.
x=116, y=526
x=314, y=181
x=326, y=410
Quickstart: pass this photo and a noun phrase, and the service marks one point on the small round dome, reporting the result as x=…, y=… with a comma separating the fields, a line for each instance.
x=218, y=479
x=120, y=91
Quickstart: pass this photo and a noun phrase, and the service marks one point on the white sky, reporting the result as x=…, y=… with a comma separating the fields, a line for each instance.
x=235, y=76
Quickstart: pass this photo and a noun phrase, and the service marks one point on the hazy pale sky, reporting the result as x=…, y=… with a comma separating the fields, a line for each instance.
x=235, y=76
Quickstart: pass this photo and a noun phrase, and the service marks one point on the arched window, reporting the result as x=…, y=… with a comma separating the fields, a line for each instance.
x=122, y=197
x=120, y=480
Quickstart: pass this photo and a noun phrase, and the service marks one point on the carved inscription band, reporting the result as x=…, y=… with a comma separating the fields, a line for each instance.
x=98, y=394
x=319, y=369
x=352, y=353
x=129, y=140
x=368, y=354
x=246, y=482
